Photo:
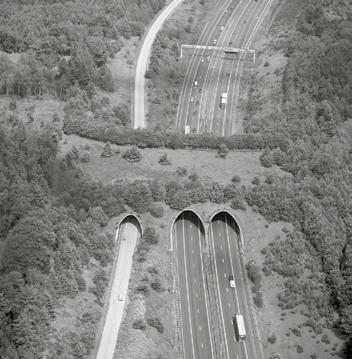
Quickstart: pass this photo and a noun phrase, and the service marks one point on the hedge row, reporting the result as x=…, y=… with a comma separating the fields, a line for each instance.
x=147, y=138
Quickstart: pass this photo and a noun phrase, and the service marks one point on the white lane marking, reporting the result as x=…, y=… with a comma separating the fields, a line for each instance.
x=223, y=260
x=201, y=344
x=208, y=74
x=212, y=105
x=194, y=265
x=195, y=280
x=192, y=251
x=197, y=310
x=243, y=281
x=196, y=294
x=218, y=286
x=219, y=234
x=205, y=293
x=200, y=328
x=229, y=305
x=227, y=290
x=189, y=305
x=245, y=350
x=178, y=288
x=221, y=246
x=231, y=262
x=224, y=275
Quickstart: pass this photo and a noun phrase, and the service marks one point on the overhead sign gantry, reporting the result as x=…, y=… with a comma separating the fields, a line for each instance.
x=226, y=50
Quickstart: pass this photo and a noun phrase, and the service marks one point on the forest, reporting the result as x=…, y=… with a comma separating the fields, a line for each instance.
x=314, y=124
x=49, y=238
x=61, y=43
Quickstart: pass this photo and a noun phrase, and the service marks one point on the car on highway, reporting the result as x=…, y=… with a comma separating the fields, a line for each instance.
x=120, y=297
x=232, y=281
x=215, y=42
x=191, y=99
x=202, y=59
x=208, y=58
x=195, y=84
x=222, y=28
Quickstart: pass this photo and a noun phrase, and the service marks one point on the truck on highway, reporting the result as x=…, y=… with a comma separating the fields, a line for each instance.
x=240, y=330
x=223, y=100
x=187, y=129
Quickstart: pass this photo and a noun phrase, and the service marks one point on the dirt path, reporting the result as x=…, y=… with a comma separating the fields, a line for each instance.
x=142, y=63
x=118, y=291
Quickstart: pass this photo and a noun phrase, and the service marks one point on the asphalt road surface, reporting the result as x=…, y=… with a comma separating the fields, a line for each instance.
x=199, y=107
x=142, y=64
x=225, y=247
x=197, y=340
x=118, y=292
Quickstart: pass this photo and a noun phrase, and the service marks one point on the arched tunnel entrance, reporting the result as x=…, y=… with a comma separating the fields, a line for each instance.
x=128, y=223
x=188, y=234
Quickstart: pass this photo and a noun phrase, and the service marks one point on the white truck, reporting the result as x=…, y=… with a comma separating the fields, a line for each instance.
x=187, y=129
x=240, y=330
x=223, y=100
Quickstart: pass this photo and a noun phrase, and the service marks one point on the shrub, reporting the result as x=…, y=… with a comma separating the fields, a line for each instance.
x=266, y=158
x=163, y=160
x=236, y=179
x=256, y=181
x=258, y=299
x=142, y=288
x=266, y=64
x=325, y=339
x=150, y=236
x=296, y=332
x=132, y=154
x=139, y=324
x=156, y=285
x=158, y=190
x=81, y=283
x=156, y=210
x=181, y=171
x=156, y=323
x=253, y=273
x=85, y=157
x=222, y=151
x=272, y=339
x=237, y=203
x=299, y=349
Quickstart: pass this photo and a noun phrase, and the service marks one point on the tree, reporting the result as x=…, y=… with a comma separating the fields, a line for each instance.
x=138, y=196
x=163, y=160
x=132, y=154
x=107, y=152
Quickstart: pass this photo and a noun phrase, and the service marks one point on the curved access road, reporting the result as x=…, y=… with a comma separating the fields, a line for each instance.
x=196, y=332
x=142, y=63
x=226, y=252
x=118, y=292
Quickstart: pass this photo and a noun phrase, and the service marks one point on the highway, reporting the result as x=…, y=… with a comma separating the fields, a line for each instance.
x=225, y=249
x=199, y=107
x=197, y=340
x=118, y=293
